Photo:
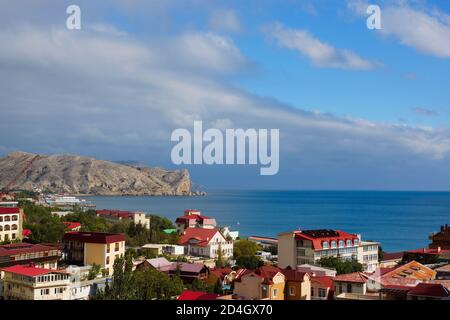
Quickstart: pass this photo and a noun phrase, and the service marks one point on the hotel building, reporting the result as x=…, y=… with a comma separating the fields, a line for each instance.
x=309, y=246
x=87, y=248
x=10, y=224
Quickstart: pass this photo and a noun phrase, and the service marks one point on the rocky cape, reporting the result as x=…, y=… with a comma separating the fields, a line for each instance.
x=79, y=175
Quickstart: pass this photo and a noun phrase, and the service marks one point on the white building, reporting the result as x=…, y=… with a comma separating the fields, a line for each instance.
x=194, y=219
x=168, y=249
x=205, y=243
x=232, y=234
x=10, y=224
x=309, y=246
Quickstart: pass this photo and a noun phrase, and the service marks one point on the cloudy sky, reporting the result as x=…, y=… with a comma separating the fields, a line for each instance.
x=356, y=108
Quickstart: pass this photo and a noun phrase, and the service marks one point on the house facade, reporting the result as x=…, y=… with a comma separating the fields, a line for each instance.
x=309, y=246
x=265, y=283
x=116, y=215
x=205, y=243
x=194, y=219
x=88, y=248
x=11, y=220
x=42, y=256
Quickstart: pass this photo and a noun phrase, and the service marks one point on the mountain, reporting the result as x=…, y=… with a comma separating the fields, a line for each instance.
x=81, y=175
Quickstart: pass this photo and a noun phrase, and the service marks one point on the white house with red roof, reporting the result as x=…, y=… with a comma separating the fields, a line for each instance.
x=205, y=242
x=31, y=283
x=194, y=219
x=11, y=220
x=309, y=246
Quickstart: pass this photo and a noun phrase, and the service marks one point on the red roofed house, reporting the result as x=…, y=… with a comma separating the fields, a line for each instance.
x=42, y=256
x=11, y=220
x=197, y=295
x=309, y=246
x=31, y=283
x=322, y=288
x=352, y=286
x=429, y=291
x=87, y=248
x=205, y=243
x=441, y=239
x=265, y=283
x=194, y=219
x=73, y=226
x=117, y=215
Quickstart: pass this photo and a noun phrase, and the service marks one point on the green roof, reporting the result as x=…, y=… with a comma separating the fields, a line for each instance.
x=169, y=231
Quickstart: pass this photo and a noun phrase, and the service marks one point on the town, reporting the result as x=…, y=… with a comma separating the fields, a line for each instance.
x=56, y=247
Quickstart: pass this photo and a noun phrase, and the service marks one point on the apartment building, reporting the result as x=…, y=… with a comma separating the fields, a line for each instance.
x=11, y=220
x=440, y=239
x=117, y=215
x=265, y=283
x=42, y=256
x=194, y=219
x=30, y=283
x=309, y=246
x=87, y=248
x=205, y=243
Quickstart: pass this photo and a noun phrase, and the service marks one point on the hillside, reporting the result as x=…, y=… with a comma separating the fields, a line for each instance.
x=81, y=175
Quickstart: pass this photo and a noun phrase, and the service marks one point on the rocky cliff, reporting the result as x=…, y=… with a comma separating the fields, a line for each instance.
x=80, y=175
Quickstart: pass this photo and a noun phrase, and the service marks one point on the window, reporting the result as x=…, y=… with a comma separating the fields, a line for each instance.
x=107, y=260
x=356, y=242
x=349, y=243
x=321, y=293
x=14, y=227
x=312, y=292
x=325, y=245
x=1, y=219
x=275, y=293
x=7, y=218
x=7, y=228
x=333, y=244
x=292, y=291
x=13, y=236
x=341, y=243
x=117, y=246
x=1, y=228
x=349, y=287
x=14, y=218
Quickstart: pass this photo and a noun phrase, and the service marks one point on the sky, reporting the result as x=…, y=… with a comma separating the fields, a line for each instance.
x=356, y=108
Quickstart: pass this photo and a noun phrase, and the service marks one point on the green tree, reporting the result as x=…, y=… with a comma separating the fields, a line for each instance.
x=95, y=270
x=245, y=248
x=342, y=266
x=220, y=262
x=249, y=262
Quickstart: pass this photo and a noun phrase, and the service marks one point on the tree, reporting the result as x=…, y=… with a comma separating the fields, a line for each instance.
x=220, y=263
x=342, y=266
x=95, y=270
x=249, y=262
x=245, y=248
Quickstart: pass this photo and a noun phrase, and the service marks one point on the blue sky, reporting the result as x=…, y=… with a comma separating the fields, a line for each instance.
x=356, y=108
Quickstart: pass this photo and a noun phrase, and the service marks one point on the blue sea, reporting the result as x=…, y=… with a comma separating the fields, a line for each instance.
x=399, y=220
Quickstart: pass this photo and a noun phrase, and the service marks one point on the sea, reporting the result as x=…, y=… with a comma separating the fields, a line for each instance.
x=398, y=220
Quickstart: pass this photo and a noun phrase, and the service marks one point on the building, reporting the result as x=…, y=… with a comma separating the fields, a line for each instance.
x=11, y=220
x=309, y=246
x=194, y=219
x=87, y=248
x=440, y=239
x=72, y=226
x=205, y=242
x=390, y=260
x=427, y=255
x=164, y=249
x=316, y=270
x=297, y=285
x=222, y=276
x=42, y=256
x=429, y=291
x=30, y=283
x=264, y=242
x=265, y=283
x=117, y=215
x=234, y=235
x=443, y=272
x=352, y=286
x=9, y=204
x=322, y=288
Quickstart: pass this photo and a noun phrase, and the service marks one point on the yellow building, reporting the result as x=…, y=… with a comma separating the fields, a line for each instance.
x=11, y=220
x=265, y=283
x=31, y=283
x=88, y=248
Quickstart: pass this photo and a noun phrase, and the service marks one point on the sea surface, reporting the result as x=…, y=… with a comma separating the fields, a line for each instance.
x=399, y=220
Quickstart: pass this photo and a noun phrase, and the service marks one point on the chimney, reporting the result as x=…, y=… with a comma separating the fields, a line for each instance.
x=439, y=249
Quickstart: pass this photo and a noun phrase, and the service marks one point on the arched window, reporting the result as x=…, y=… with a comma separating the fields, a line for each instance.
x=325, y=245
x=356, y=242
x=333, y=244
x=1, y=228
x=1, y=219
x=7, y=218
x=7, y=228
x=14, y=227
x=341, y=243
x=14, y=218
x=349, y=243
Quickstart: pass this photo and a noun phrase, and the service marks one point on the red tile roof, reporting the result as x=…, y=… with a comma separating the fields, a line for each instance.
x=9, y=210
x=94, y=237
x=428, y=251
x=29, y=271
x=201, y=235
x=293, y=275
x=198, y=218
x=393, y=256
x=22, y=248
x=357, y=277
x=430, y=290
x=317, y=237
x=325, y=281
x=72, y=225
x=197, y=295
x=265, y=272
x=220, y=272
x=26, y=232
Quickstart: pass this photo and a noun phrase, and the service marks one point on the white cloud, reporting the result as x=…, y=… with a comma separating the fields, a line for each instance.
x=427, y=30
x=320, y=53
x=225, y=20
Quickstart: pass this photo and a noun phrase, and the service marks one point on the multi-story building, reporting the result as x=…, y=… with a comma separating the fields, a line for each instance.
x=309, y=246
x=322, y=288
x=441, y=239
x=265, y=283
x=205, y=243
x=88, y=248
x=30, y=283
x=194, y=219
x=117, y=215
x=42, y=256
x=10, y=224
